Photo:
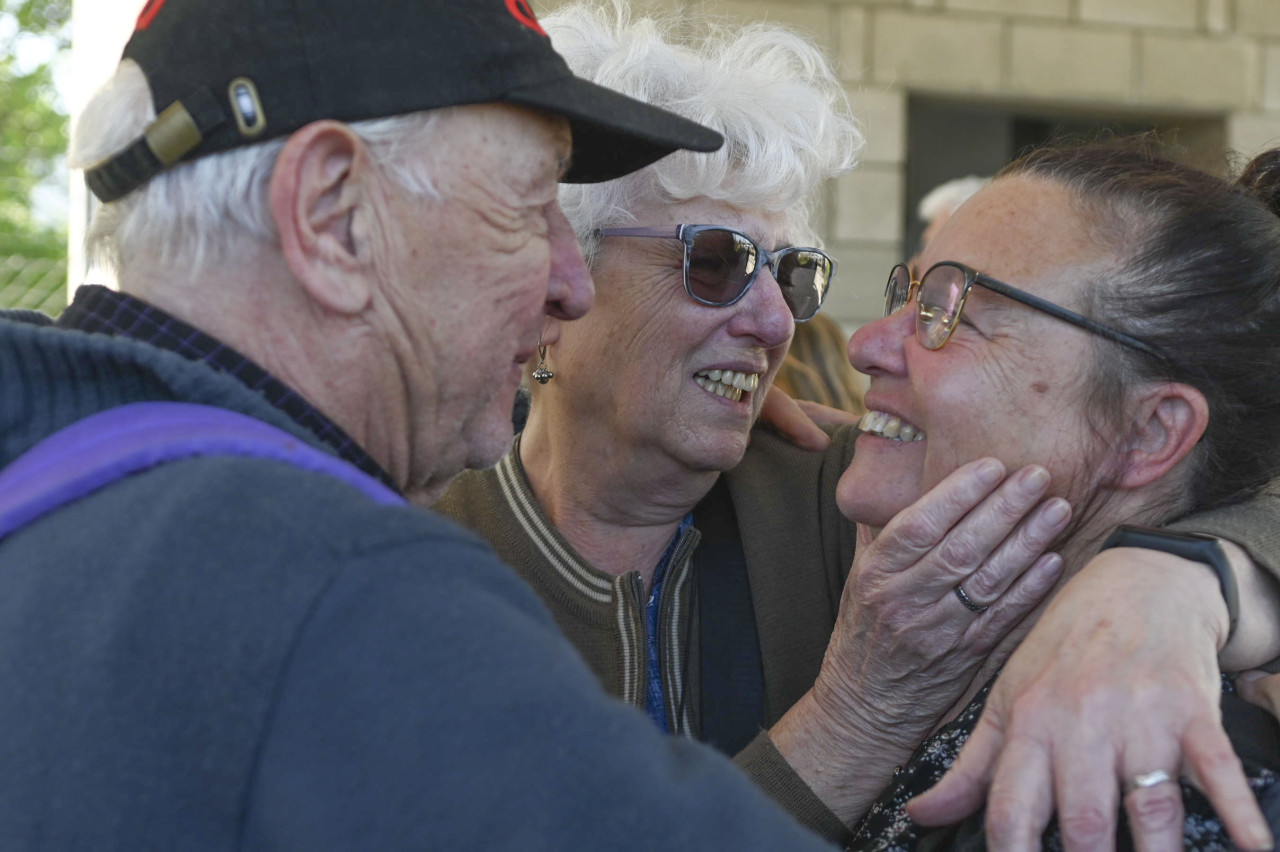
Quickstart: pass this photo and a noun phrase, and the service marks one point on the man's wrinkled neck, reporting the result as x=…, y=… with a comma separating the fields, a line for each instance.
x=337, y=364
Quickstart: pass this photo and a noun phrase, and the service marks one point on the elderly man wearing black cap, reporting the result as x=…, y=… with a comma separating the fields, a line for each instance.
x=337, y=238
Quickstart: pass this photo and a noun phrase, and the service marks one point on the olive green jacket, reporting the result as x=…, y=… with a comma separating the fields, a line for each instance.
x=798, y=549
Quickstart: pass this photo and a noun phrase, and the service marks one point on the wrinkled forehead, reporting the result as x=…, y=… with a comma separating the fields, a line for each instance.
x=1029, y=231
x=517, y=149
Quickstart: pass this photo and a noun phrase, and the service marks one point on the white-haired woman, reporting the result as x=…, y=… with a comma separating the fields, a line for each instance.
x=615, y=491
x=699, y=565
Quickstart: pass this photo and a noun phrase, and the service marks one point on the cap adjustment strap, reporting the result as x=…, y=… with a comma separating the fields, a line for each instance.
x=175, y=133
x=172, y=134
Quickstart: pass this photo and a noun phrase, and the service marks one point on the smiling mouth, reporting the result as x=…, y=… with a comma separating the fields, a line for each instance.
x=727, y=383
x=885, y=425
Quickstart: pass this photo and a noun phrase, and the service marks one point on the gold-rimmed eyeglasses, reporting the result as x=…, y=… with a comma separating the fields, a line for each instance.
x=941, y=293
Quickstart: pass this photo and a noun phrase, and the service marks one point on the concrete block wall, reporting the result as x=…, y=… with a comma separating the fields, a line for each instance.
x=1211, y=58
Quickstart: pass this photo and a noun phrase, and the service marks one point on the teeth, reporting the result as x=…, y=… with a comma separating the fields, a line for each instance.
x=887, y=426
x=729, y=384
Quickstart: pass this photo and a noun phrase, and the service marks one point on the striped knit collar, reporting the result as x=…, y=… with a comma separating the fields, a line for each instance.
x=578, y=574
x=605, y=596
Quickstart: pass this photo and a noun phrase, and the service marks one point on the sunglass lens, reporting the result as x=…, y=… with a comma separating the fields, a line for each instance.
x=804, y=276
x=895, y=292
x=940, y=293
x=720, y=265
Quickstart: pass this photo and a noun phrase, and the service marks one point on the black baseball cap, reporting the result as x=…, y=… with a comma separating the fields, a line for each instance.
x=226, y=73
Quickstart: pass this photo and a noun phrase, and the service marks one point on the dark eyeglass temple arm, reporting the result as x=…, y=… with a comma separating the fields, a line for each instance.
x=1068, y=316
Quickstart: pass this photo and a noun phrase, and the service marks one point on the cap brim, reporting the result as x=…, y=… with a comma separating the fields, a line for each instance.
x=613, y=134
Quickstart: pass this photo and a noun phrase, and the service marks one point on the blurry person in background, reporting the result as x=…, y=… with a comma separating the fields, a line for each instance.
x=943, y=200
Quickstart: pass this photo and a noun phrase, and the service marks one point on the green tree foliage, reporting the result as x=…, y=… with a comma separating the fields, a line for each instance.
x=33, y=142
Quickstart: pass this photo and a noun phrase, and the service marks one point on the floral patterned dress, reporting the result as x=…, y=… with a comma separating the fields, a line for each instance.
x=887, y=828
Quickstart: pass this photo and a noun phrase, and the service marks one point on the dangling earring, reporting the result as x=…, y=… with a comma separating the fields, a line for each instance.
x=542, y=375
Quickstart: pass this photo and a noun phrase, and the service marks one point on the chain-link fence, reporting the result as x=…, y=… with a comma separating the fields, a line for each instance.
x=39, y=284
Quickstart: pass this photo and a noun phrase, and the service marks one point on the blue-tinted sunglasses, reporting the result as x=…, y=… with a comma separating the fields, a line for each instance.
x=721, y=263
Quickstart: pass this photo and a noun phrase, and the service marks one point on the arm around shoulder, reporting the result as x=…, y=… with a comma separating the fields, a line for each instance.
x=1251, y=533
x=771, y=772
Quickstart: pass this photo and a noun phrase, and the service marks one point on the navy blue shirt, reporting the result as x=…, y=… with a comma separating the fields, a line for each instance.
x=655, y=704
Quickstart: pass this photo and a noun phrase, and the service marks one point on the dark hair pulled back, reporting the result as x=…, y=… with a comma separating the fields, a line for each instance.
x=1198, y=279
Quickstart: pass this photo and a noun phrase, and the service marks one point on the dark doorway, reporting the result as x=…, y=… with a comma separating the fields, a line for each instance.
x=948, y=139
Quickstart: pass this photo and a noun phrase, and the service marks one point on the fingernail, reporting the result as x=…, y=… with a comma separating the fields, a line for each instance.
x=1262, y=837
x=1250, y=676
x=1056, y=512
x=1034, y=480
x=989, y=472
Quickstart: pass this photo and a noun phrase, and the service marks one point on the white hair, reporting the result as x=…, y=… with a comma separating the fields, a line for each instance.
x=946, y=198
x=772, y=94
x=204, y=210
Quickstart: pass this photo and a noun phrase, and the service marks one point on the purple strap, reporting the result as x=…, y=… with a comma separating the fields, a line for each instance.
x=105, y=447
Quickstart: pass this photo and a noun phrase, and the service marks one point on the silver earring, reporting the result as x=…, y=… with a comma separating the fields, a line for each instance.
x=542, y=375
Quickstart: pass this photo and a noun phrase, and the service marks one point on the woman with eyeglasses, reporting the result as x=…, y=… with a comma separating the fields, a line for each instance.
x=1115, y=319
x=699, y=564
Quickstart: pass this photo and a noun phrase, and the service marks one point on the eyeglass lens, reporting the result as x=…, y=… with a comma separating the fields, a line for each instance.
x=939, y=301
x=940, y=295
x=898, y=290
x=722, y=263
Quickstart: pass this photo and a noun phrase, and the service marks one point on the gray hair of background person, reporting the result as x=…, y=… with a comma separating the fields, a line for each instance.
x=769, y=91
x=198, y=213
x=945, y=198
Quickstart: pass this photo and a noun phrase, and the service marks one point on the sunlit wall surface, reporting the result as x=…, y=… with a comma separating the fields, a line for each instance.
x=1003, y=73
x=1205, y=71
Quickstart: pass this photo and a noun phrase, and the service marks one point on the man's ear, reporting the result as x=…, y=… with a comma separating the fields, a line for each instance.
x=315, y=190
x=1168, y=421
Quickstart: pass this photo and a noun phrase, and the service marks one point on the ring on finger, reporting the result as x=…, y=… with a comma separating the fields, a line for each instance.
x=1143, y=780
x=968, y=601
